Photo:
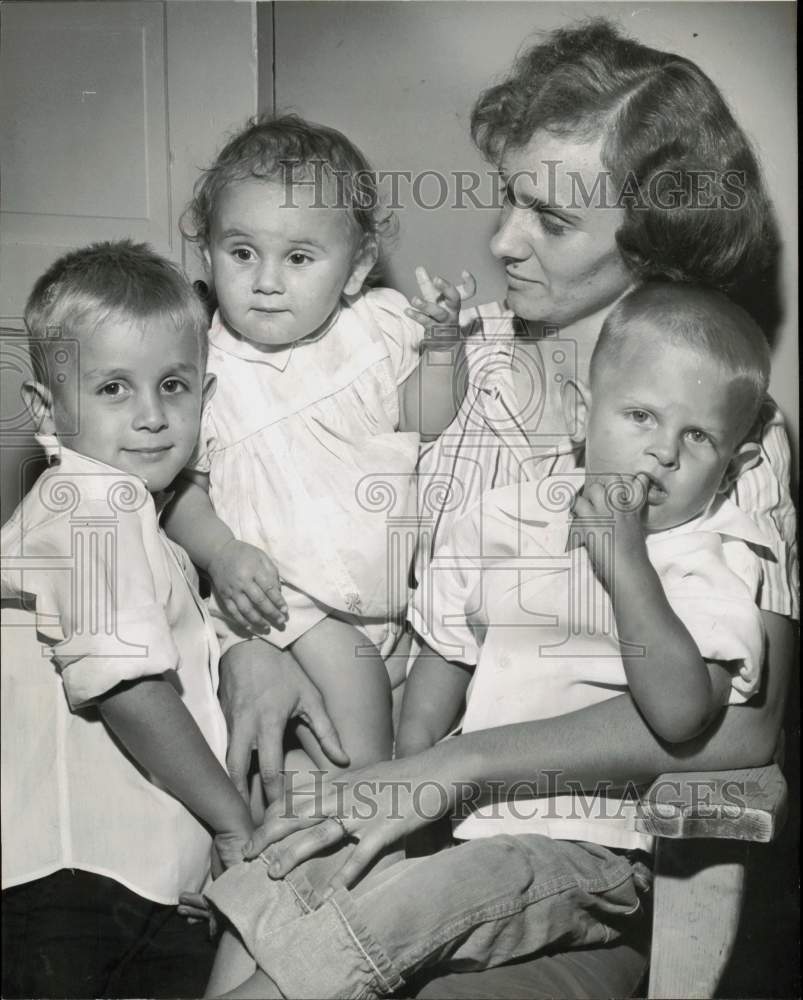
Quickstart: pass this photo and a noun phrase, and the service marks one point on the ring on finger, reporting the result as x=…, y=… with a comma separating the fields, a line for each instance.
x=341, y=824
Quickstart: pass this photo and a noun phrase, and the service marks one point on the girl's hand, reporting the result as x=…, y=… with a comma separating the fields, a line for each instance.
x=373, y=807
x=248, y=585
x=440, y=301
x=616, y=501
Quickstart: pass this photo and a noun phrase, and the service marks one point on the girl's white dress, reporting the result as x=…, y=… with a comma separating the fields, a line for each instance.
x=306, y=461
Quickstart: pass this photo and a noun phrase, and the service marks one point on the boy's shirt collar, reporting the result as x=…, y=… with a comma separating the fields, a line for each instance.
x=132, y=490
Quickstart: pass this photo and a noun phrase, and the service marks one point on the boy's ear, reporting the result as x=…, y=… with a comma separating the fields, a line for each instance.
x=38, y=401
x=209, y=387
x=576, y=400
x=364, y=259
x=746, y=456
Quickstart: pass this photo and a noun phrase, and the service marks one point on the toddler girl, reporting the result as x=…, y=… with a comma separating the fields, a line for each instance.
x=302, y=449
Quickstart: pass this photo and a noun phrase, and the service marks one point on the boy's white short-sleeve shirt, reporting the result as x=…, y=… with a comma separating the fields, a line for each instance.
x=538, y=626
x=96, y=594
x=306, y=460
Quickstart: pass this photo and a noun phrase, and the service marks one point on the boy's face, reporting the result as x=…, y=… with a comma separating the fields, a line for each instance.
x=140, y=391
x=280, y=261
x=671, y=413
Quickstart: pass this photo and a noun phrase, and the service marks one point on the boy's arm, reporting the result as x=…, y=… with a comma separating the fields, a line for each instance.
x=155, y=726
x=245, y=579
x=675, y=689
x=433, y=696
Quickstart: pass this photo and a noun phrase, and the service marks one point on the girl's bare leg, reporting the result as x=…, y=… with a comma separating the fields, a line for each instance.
x=354, y=683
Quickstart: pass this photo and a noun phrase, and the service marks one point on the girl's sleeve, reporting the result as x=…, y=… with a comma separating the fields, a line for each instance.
x=763, y=493
x=445, y=597
x=102, y=616
x=200, y=460
x=402, y=335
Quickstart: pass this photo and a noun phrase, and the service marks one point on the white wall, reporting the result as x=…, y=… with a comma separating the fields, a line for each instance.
x=400, y=79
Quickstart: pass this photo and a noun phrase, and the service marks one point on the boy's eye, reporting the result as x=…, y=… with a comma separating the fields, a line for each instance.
x=297, y=257
x=173, y=385
x=639, y=416
x=697, y=436
x=243, y=254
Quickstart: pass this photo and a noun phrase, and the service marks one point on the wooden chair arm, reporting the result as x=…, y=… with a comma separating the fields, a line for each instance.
x=748, y=804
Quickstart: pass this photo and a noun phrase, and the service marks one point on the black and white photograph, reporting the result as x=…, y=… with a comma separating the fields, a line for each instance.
x=398, y=463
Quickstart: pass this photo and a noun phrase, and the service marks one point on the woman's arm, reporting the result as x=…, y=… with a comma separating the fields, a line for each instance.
x=606, y=742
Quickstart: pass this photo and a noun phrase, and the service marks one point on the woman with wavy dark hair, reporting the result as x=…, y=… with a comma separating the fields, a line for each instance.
x=620, y=163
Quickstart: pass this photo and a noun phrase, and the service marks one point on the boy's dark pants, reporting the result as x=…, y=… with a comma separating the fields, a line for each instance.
x=76, y=934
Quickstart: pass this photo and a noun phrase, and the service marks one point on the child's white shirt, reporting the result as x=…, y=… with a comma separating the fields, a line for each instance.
x=88, y=572
x=538, y=625
x=306, y=460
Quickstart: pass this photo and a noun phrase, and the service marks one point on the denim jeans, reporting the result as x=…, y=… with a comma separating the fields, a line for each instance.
x=473, y=906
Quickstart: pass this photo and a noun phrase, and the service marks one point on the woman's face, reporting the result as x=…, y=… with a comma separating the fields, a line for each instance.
x=556, y=236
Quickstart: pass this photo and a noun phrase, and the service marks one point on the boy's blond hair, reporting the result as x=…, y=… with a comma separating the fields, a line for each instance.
x=117, y=281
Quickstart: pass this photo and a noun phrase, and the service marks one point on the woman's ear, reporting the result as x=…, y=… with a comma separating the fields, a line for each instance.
x=576, y=401
x=364, y=259
x=38, y=401
x=746, y=456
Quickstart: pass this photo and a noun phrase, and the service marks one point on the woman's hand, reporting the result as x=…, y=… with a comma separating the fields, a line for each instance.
x=258, y=701
x=248, y=585
x=374, y=807
x=440, y=301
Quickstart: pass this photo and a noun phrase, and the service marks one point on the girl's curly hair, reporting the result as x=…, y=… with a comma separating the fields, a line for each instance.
x=289, y=149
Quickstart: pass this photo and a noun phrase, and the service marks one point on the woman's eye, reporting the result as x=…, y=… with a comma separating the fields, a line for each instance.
x=242, y=253
x=552, y=224
x=299, y=258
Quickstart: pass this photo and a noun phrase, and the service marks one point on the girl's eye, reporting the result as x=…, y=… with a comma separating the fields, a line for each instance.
x=299, y=258
x=697, y=437
x=242, y=253
x=172, y=385
x=639, y=416
x=112, y=389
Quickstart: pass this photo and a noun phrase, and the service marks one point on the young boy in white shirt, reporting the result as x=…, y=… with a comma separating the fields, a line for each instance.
x=113, y=741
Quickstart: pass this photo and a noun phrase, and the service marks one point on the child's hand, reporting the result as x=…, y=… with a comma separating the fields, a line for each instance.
x=228, y=849
x=616, y=499
x=194, y=907
x=440, y=302
x=248, y=586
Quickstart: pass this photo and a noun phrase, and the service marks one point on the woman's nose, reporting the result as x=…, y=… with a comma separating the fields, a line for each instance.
x=510, y=240
x=268, y=278
x=150, y=415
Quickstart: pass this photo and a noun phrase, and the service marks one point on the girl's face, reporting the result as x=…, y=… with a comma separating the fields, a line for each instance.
x=281, y=256
x=556, y=237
